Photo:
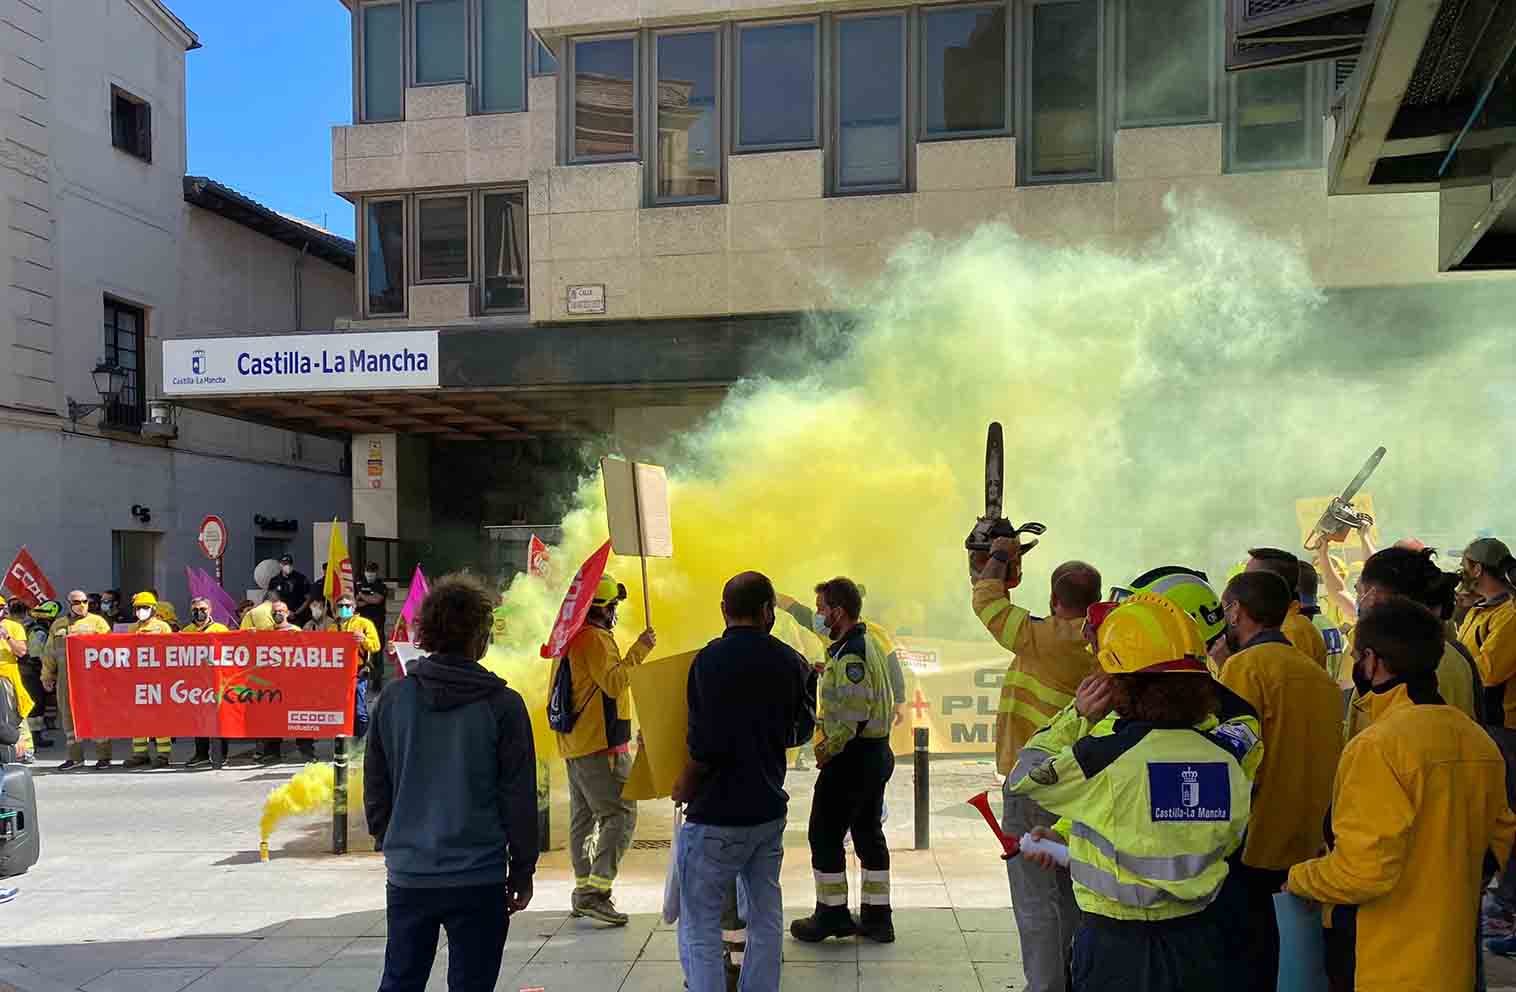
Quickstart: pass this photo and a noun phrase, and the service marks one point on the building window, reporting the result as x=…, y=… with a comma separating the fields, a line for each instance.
x=688, y=142
x=124, y=329
x=963, y=71
x=778, y=70
x=603, y=98
x=131, y=124
x=441, y=41
x=502, y=56
x=543, y=61
x=382, y=68
x=442, y=238
x=1274, y=118
x=1168, y=62
x=384, y=257
x=468, y=236
x=503, y=281
x=870, y=152
x=1067, y=131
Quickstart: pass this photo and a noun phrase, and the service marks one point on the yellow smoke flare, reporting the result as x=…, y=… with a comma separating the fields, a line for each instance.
x=307, y=793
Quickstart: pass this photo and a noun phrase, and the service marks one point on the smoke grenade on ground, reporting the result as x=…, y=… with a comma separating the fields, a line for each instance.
x=307, y=793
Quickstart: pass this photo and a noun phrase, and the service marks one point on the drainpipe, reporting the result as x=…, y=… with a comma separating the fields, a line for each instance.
x=299, y=266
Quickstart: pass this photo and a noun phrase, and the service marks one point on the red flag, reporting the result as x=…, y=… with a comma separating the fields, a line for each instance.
x=26, y=580
x=576, y=602
x=536, y=557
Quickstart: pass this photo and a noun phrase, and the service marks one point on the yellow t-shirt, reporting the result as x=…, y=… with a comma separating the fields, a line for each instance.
x=9, y=669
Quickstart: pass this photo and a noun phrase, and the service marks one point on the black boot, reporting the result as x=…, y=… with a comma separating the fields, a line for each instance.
x=877, y=924
x=827, y=921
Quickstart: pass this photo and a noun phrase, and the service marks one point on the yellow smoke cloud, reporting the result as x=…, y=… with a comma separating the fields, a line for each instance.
x=309, y=792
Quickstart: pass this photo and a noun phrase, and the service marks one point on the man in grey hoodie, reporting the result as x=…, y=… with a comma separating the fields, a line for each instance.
x=450, y=792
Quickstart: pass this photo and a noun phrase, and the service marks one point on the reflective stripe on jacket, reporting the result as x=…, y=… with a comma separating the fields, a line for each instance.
x=1051, y=659
x=1153, y=812
x=856, y=698
x=1419, y=800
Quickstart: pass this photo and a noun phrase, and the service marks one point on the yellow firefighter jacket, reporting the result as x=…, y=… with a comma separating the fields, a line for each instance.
x=1419, y=800
x=55, y=654
x=1299, y=631
x=1456, y=684
x=600, y=676
x=1490, y=636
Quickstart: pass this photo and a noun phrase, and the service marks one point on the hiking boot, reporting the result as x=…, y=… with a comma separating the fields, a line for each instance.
x=827, y=921
x=598, y=906
x=161, y=761
x=103, y=764
x=877, y=924
x=136, y=761
x=198, y=761
x=71, y=765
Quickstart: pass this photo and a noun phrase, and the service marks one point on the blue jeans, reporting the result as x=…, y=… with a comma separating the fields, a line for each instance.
x=709, y=859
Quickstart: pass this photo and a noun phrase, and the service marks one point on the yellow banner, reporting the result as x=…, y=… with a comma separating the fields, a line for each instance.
x=660, y=695
x=953, y=689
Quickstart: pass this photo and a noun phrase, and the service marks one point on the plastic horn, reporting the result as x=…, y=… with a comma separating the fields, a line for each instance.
x=1011, y=845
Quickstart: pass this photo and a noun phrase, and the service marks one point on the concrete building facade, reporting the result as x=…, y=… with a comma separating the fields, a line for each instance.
x=109, y=252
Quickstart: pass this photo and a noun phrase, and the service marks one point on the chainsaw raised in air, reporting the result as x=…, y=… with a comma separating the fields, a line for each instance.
x=1341, y=518
x=993, y=525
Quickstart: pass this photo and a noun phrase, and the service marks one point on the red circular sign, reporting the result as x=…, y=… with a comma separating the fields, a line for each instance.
x=213, y=537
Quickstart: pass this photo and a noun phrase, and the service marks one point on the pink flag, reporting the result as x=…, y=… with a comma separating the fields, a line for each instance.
x=576, y=602
x=202, y=586
x=412, y=607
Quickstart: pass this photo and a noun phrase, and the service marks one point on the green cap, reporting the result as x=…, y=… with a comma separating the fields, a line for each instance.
x=1487, y=551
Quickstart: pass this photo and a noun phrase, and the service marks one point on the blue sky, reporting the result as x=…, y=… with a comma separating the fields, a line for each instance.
x=263, y=94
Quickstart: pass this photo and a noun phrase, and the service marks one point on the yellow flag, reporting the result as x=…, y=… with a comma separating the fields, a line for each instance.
x=339, y=567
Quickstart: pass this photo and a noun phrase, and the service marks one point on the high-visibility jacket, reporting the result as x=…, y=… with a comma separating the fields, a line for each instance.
x=152, y=625
x=600, y=675
x=1490, y=636
x=1418, y=802
x=1153, y=811
x=1336, y=644
x=211, y=627
x=1051, y=659
x=367, y=633
x=1300, y=709
x=55, y=654
x=1457, y=684
x=856, y=699
x=1301, y=632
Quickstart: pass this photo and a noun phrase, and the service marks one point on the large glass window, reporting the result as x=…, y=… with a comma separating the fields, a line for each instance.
x=776, y=85
x=505, y=259
x=963, y=81
x=502, y=55
x=381, y=28
x=384, y=257
x=441, y=41
x=124, y=346
x=604, y=99
x=1274, y=119
x=1063, y=98
x=870, y=74
x=442, y=238
x=689, y=126
x=1168, y=61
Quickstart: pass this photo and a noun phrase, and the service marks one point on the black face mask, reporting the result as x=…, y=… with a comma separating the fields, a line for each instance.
x=200, y=616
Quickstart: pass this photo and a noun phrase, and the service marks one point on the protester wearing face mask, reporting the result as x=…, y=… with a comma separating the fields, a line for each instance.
x=349, y=622
x=292, y=586
x=201, y=622
x=321, y=616
x=371, y=596
x=597, y=747
x=12, y=650
x=1488, y=631
x=147, y=621
x=78, y=620
x=110, y=605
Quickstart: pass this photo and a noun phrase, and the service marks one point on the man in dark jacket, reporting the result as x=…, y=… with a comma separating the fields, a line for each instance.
x=751, y=696
x=450, y=792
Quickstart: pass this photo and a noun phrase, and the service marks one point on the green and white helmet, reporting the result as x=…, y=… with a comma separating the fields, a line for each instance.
x=1187, y=588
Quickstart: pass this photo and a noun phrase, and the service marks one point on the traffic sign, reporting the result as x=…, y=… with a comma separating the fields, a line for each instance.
x=213, y=537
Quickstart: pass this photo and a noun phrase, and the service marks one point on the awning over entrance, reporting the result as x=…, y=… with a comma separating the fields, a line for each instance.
x=474, y=384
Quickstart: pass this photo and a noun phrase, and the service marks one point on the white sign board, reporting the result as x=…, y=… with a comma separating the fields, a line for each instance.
x=586, y=299
x=637, y=508
x=300, y=363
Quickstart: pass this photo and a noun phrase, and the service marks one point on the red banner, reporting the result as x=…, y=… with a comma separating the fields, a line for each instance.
x=240, y=684
x=536, y=557
x=26, y=580
x=576, y=602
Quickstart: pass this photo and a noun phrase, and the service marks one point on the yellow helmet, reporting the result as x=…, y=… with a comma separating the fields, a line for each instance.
x=144, y=599
x=608, y=592
x=1148, y=634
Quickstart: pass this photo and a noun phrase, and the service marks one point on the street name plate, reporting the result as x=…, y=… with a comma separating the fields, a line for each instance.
x=586, y=299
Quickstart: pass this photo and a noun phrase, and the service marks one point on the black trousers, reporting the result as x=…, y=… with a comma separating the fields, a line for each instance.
x=476, y=922
x=849, y=798
x=1252, y=931
x=1182, y=955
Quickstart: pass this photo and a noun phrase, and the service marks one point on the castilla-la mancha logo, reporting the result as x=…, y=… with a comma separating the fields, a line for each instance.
x=197, y=361
x=1189, y=787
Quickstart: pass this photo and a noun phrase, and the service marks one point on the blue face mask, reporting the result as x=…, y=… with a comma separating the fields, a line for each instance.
x=819, y=625
x=345, y=612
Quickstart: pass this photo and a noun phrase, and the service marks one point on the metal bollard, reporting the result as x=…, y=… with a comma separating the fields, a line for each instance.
x=923, y=791
x=339, y=795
